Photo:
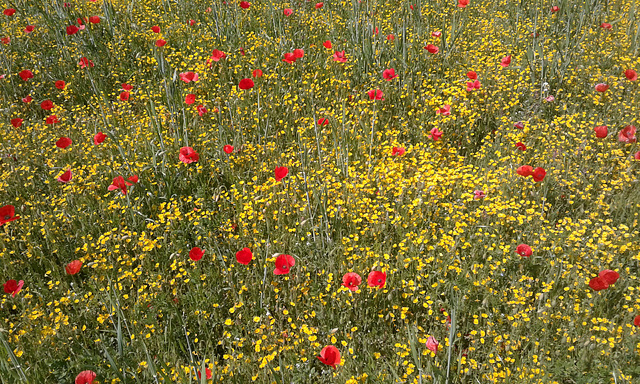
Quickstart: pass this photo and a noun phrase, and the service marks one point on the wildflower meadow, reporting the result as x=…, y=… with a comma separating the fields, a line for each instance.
x=363, y=191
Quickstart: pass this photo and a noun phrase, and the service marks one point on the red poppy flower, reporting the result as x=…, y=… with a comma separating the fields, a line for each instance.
x=436, y=33
x=521, y=146
x=435, y=134
x=29, y=28
x=126, y=87
x=636, y=321
x=631, y=75
x=472, y=75
x=432, y=48
x=637, y=155
x=605, y=26
x=398, y=151
x=190, y=99
x=9, y=11
x=192, y=22
x=244, y=256
x=188, y=77
x=65, y=177
x=85, y=377
x=27, y=99
x=391, y=37
x=99, y=138
x=228, y=149
x=505, y=61
x=555, y=8
x=5, y=40
x=327, y=44
x=46, y=105
x=627, y=135
x=245, y=4
x=609, y=276
x=7, y=214
x=60, y=84
x=16, y=122
x=256, y=73
x=319, y=5
x=53, y=119
x=13, y=287
x=120, y=183
x=72, y=30
x=538, y=174
x=288, y=11
x=281, y=173
x=444, y=111
x=340, y=57
x=84, y=62
x=389, y=74
x=94, y=19
x=601, y=131
x=463, y=3
x=598, y=284
x=73, y=267
x=472, y=85
x=377, y=279
x=351, y=280
x=330, y=356
x=196, y=253
x=160, y=43
x=289, y=57
x=201, y=110
x=478, y=194
x=298, y=53
x=246, y=84
x=432, y=344
x=207, y=373
x=322, y=121
x=63, y=142
x=525, y=170
x=602, y=87
x=217, y=55
x=524, y=250
x=155, y=29
x=375, y=94
x=188, y=155
x=283, y=264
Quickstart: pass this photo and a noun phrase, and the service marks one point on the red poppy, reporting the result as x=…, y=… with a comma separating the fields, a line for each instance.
x=598, y=284
x=85, y=377
x=637, y=155
x=319, y=5
x=436, y=34
x=432, y=344
x=444, y=111
x=196, y=253
x=190, y=99
x=555, y=8
x=7, y=214
x=377, y=279
x=201, y=110
x=472, y=85
x=298, y=53
x=605, y=26
x=94, y=19
x=207, y=373
x=524, y=250
x=188, y=77
x=327, y=44
x=46, y=105
x=13, y=287
x=281, y=173
x=375, y=94
x=155, y=29
x=631, y=75
x=246, y=84
x=72, y=30
x=391, y=37
x=538, y=174
x=29, y=28
x=84, y=62
x=289, y=57
x=192, y=22
x=340, y=57
x=60, y=84
x=351, y=280
x=525, y=170
x=99, y=138
x=53, y=119
x=5, y=40
x=16, y=122
x=73, y=267
x=398, y=151
x=244, y=256
x=65, y=177
x=602, y=87
x=228, y=149
x=120, y=183
x=63, y=142
x=609, y=276
x=478, y=194
x=389, y=74
x=256, y=73
x=245, y=4
x=330, y=356
x=283, y=264
x=432, y=48
x=126, y=87
x=288, y=11
x=472, y=75
x=521, y=146
x=27, y=99
x=188, y=155
x=435, y=134
x=505, y=61
x=636, y=321
x=160, y=43
x=322, y=121
x=9, y=11
x=463, y=3
x=627, y=135
x=217, y=55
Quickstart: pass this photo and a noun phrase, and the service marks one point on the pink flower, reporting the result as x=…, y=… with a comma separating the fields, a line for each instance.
x=478, y=194
x=432, y=344
x=472, y=85
x=288, y=11
x=188, y=77
x=188, y=155
x=444, y=111
x=627, y=135
x=435, y=134
x=340, y=57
